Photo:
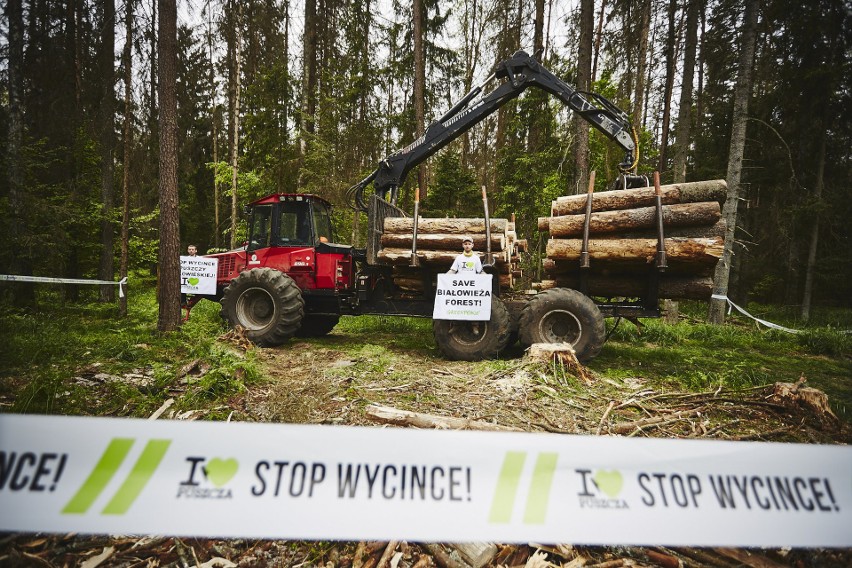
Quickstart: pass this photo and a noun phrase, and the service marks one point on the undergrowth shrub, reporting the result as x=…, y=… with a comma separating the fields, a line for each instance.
x=663, y=334
x=738, y=377
x=826, y=341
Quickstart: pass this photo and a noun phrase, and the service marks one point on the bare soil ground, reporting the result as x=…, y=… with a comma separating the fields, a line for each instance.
x=335, y=379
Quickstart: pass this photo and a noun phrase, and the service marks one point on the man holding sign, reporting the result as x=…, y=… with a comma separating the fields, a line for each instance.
x=468, y=322
x=468, y=296
x=197, y=277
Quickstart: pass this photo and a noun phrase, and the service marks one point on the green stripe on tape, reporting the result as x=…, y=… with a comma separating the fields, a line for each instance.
x=142, y=471
x=103, y=472
x=545, y=466
x=507, y=487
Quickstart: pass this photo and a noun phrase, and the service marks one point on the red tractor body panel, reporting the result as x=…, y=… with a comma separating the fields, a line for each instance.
x=310, y=269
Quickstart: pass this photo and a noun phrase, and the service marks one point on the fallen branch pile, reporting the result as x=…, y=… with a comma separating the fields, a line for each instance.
x=623, y=239
x=788, y=412
x=17, y=550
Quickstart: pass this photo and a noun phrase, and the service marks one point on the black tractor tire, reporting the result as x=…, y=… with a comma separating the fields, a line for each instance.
x=317, y=325
x=267, y=303
x=474, y=340
x=515, y=309
x=563, y=315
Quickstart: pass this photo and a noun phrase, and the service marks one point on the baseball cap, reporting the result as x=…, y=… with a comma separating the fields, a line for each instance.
x=467, y=238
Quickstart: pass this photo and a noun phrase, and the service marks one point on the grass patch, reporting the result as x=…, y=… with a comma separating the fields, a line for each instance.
x=400, y=332
x=71, y=358
x=737, y=355
x=46, y=353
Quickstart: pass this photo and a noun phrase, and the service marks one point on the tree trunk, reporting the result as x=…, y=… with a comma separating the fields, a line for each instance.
x=23, y=293
x=584, y=72
x=438, y=258
x=309, y=81
x=128, y=133
x=106, y=270
x=716, y=230
x=677, y=215
x=538, y=30
x=671, y=38
x=169, y=253
x=699, y=92
x=405, y=225
x=670, y=287
x=537, y=99
x=598, y=37
x=694, y=192
x=742, y=93
x=812, y=249
x=235, y=120
x=442, y=241
x=75, y=31
x=681, y=250
x=214, y=133
x=641, y=66
x=684, y=118
x=419, y=87
x=152, y=106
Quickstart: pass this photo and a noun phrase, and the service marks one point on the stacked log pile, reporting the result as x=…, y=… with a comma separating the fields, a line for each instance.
x=623, y=240
x=439, y=241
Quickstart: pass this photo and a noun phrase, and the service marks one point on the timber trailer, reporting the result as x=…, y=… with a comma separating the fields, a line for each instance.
x=291, y=278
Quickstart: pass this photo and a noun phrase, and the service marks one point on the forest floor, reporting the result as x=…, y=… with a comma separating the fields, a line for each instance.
x=335, y=380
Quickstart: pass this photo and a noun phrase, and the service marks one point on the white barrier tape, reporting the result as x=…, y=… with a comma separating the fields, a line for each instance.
x=46, y=280
x=247, y=480
x=768, y=324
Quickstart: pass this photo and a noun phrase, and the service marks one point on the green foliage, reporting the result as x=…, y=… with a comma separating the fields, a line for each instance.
x=143, y=245
x=826, y=341
x=250, y=184
x=700, y=356
x=49, y=349
x=530, y=177
x=454, y=191
x=407, y=333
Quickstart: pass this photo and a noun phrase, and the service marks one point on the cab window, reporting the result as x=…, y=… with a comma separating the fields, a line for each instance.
x=294, y=224
x=261, y=227
x=322, y=223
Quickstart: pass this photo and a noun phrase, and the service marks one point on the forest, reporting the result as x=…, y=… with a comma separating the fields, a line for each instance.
x=227, y=101
x=131, y=130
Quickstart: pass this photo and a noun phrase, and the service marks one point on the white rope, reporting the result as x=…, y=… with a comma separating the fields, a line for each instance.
x=768, y=324
x=46, y=280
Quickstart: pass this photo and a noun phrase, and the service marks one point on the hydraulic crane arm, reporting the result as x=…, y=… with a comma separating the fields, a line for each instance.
x=520, y=72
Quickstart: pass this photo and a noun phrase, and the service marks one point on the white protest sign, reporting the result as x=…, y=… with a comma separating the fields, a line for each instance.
x=198, y=275
x=463, y=296
x=249, y=480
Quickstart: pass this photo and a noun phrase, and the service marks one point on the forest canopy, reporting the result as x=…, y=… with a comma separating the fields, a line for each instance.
x=307, y=96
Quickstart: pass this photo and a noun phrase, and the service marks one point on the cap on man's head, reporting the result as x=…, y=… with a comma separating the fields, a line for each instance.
x=467, y=239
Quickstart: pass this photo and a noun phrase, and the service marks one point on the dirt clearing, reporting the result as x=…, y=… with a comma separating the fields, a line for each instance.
x=341, y=378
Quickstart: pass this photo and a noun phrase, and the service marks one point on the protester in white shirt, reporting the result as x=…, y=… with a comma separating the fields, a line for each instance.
x=467, y=261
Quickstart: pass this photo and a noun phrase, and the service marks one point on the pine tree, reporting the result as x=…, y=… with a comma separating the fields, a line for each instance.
x=169, y=253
